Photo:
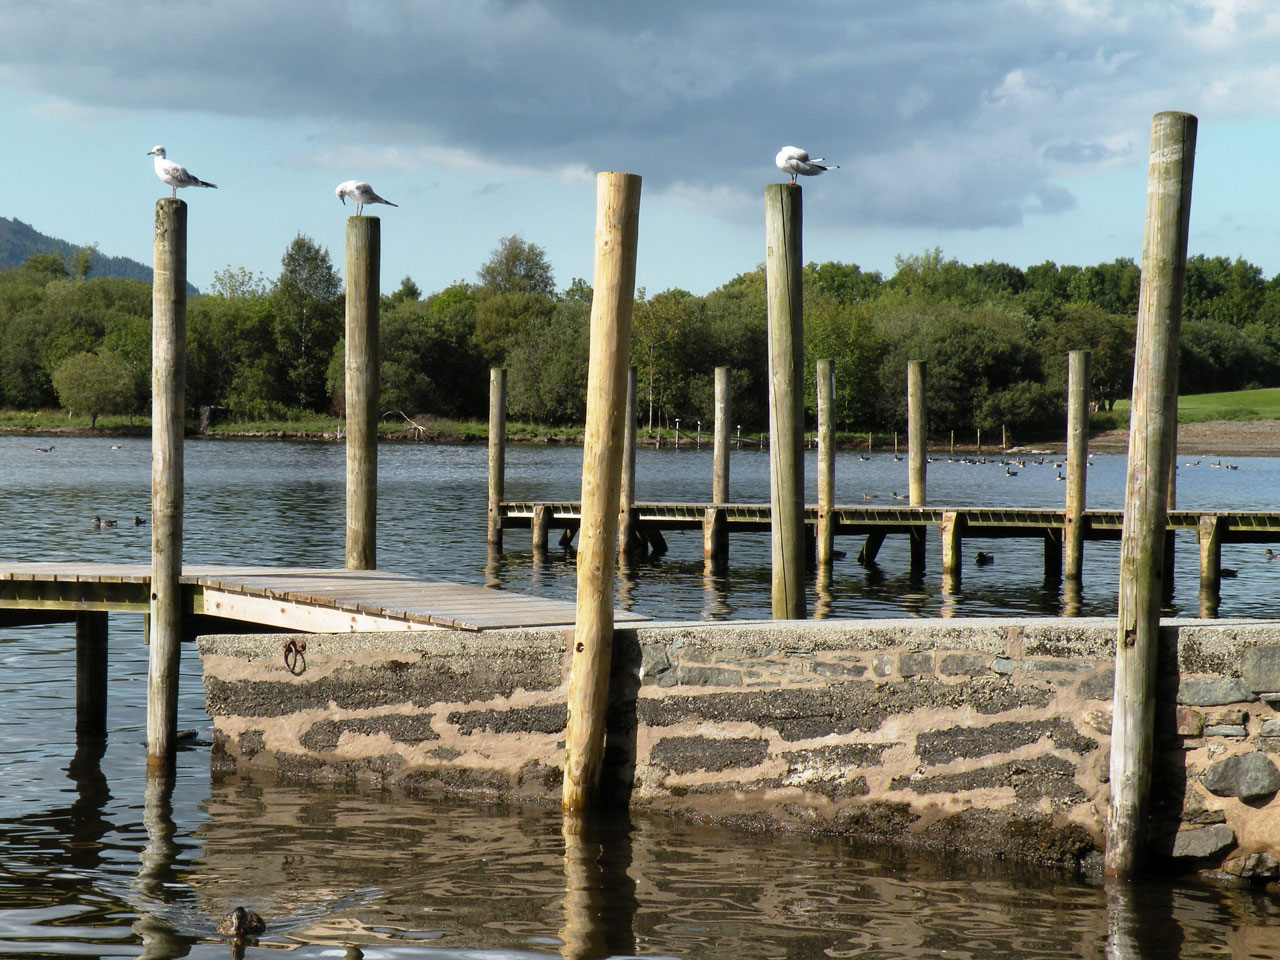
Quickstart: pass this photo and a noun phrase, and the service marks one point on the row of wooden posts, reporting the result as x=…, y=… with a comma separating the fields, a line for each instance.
x=609, y=397
x=715, y=527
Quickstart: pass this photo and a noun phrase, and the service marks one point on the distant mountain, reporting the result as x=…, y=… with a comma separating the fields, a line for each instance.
x=20, y=240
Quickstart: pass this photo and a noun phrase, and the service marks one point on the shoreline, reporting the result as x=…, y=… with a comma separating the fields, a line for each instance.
x=1220, y=438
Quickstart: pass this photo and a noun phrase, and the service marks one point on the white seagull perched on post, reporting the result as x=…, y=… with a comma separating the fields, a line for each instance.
x=174, y=174
x=794, y=161
x=360, y=192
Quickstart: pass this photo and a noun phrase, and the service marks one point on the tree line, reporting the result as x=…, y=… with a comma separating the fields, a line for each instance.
x=995, y=338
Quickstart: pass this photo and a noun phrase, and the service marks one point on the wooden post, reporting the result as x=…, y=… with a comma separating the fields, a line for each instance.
x=715, y=545
x=952, y=531
x=1151, y=433
x=1210, y=533
x=91, y=674
x=497, y=452
x=1077, y=462
x=917, y=439
x=826, y=388
x=1052, y=556
x=540, y=527
x=627, y=499
x=364, y=254
x=617, y=226
x=917, y=454
x=784, y=292
x=168, y=408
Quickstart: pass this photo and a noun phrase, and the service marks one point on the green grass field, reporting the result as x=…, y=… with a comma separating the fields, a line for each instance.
x=1263, y=404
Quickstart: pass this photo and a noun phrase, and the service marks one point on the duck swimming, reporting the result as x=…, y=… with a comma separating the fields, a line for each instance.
x=984, y=559
x=241, y=923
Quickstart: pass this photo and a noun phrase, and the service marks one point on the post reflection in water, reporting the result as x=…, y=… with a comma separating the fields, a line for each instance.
x=157, y=876
x=600, y=895
x=715, y=589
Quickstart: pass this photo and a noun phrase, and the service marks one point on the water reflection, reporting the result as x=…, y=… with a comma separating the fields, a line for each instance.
x=600, y=895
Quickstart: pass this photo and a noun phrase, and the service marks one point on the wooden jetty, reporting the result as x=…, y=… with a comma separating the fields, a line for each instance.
x=296, y=599
x=955, y=524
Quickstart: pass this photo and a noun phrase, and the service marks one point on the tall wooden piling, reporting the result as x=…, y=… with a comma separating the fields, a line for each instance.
x=617, y=227
x=783, y=228
x=497, y=452
x=1077, y=462
x=826, y=388
x=917, y=423
x=168, y=409
x=1151, y=434
x=1210, y=536
x=627, y=536
x=91, y=673
x=715, y=536
x=364, y=254
x=917, y=453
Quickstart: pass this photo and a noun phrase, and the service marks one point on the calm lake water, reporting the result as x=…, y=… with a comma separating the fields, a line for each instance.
x=95, y=860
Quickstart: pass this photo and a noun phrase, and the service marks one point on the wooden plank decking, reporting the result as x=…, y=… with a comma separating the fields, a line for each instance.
x=307, y=599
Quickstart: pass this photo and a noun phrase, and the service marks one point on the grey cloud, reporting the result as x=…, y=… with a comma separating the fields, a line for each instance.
x=681, y=92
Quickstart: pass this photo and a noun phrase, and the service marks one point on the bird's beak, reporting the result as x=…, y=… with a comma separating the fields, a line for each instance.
x=343, y=198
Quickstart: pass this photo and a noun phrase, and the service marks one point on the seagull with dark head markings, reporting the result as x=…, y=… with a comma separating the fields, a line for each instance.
x=360, y=192
x=795, y=161
x=174, y=174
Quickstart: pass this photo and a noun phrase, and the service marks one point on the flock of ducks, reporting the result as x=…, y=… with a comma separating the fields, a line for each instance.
x=100, y=524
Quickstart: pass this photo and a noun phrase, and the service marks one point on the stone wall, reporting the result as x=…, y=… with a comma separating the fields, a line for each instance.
x=984, y=736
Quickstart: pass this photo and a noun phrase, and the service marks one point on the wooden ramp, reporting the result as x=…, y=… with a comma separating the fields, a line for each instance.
x=306, y=599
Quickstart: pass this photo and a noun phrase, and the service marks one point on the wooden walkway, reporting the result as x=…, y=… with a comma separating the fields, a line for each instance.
x=1000, y=522
x=303, y=599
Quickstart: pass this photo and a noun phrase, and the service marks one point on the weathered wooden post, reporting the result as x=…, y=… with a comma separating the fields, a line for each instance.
x=168, y=408
x=952, y=531
x=497, y=452
x=364, y=254
x=917, y=453
x=783, y=229
x=715, y=533
x=91, y=673
x=1077, y=462
x=627, y=537
x=1210, y=536
x=617, y=224
x=826, y=388
x=1151, y=433
x=540, y=527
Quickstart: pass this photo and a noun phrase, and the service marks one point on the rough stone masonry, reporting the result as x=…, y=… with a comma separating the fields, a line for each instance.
x=984, y=736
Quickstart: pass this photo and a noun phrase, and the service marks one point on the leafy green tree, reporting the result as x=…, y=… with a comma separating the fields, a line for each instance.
x=845, y=282
x=548, y=373
x=307, y=299
x=429, y=361
x=517, y=266
x=408, y=291
x=94, y=384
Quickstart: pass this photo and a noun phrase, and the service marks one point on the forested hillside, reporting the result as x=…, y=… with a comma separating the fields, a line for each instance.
x=995, y=338
x=19, y=240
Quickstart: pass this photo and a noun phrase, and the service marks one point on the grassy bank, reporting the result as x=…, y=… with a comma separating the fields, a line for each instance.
x=1238, y=406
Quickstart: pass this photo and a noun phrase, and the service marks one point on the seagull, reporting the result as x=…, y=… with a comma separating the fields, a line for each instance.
x=173, y=174
x=794, y=161
x=360, y=192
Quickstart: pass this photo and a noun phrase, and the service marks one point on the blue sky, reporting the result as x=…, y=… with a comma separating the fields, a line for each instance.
x=1012, y=130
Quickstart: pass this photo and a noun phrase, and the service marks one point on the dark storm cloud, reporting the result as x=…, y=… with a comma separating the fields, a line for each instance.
x=940, y=113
